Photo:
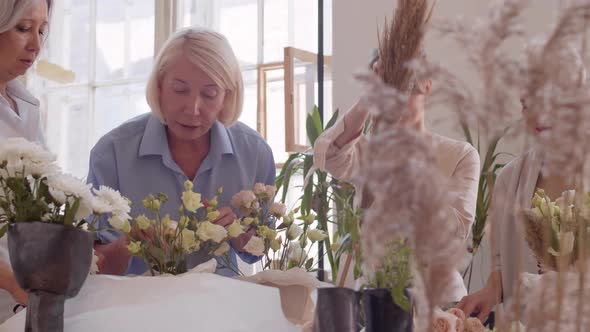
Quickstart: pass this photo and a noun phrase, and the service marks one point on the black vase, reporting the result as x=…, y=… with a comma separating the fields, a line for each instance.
x=337, y=310
x=51, y=263
x=382, y=314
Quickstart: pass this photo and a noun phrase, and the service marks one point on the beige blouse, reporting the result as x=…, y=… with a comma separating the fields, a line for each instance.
x=459, y=161
x=513, y=191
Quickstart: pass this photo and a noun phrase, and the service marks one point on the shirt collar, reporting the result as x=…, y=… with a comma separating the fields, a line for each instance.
x=155, y=141
x=18, y=90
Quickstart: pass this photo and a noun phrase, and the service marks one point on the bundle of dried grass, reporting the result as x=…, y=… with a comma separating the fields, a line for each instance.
x=400, y=43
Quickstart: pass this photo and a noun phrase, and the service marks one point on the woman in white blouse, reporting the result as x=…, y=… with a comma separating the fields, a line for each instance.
x=340, y=150
x=23, y=24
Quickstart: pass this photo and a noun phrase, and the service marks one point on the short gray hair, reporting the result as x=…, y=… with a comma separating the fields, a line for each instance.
x=211, y=52
x=11, y=11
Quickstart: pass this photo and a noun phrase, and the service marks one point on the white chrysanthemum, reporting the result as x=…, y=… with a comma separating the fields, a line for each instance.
x=208, y=231
x=295, y=253
x=108, y=200
x=64, y=187
x=294, y=231
x=222, y=250
x=277, y=209
x=255, y=246
x=19, y=148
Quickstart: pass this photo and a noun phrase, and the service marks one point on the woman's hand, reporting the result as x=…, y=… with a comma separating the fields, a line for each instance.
x=226, y=217
x=9, y=283
x=113, y=258
x=481, y=303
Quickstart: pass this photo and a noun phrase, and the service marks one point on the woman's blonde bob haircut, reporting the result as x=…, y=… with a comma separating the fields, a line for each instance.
x=211, y=52
x=11, y=11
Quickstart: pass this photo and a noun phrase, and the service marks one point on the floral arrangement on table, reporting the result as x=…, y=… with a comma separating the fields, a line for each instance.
x=554, y=228
x=165, y=244
x=282, y=247
x=33, y=189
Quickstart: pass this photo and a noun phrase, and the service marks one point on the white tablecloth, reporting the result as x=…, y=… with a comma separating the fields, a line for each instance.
x=191, y=302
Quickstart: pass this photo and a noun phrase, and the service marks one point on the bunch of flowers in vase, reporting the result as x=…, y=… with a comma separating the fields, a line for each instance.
x=46, y=215
x=554, y=229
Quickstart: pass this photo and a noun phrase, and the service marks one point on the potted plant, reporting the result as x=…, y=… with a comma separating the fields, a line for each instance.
x=45, y=215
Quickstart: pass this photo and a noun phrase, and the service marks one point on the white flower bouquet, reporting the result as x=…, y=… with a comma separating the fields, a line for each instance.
x=32, y=189
x=553, y=228
x=284, y=247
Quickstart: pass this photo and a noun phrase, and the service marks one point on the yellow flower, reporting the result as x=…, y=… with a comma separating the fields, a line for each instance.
x=255, y=246
x=188, y=185
x=266, y=232
x=213, y=203
x=235, y=229
x=213, y=215
x=248, y=221
x=191, y=201
x=316, y=235
x=165, y=221
x=222, y=250
x=188, y=240
x=208, y=231
x=275, y=244
x=183, y=222
x=143, y=222
x=134, y=247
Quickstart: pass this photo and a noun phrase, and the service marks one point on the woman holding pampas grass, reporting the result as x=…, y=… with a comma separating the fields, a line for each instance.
x=340, y=151
x=517, y=181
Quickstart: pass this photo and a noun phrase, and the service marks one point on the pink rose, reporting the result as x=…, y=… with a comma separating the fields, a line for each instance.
x=244, y=201
x=458, y=313
x=444, y=322
x=473, y=324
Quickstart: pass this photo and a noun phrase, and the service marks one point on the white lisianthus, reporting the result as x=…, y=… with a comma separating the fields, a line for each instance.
x=213, y=215
x=188, y=240
x=120, y=224
x=191, y=200
x=170, y=227
x=255, y=246
x=64, y=187
x=294, y=231
x=309, y=219
x=235, y=229
x=277, y=209
x=222, y=250
x=337, y=244
x=108, y=197
x=296, y=254
x=142, y=222
x=134, y=247
x=316, y=235
x=208, y=231
x=188, y=185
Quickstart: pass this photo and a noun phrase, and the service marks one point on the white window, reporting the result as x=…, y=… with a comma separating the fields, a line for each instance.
x=109, y=45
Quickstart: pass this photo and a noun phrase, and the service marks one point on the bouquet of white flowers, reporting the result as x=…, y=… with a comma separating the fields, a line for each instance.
x=284, y=247
x=32, y=189
x=553, y=228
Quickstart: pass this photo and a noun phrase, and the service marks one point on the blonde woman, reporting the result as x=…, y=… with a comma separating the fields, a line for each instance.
x=23, y=25
x=195, y=94
x=341, y=149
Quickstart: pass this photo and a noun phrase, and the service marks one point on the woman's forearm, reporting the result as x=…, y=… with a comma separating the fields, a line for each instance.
x=354, y=122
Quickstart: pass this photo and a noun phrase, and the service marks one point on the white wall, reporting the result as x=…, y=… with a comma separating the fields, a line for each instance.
x=355, y=29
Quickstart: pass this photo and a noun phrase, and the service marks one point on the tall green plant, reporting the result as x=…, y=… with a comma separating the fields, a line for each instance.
x=317, y=192
x=487, y=180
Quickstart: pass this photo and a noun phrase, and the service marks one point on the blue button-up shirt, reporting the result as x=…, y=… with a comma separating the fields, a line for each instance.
x=135, y=159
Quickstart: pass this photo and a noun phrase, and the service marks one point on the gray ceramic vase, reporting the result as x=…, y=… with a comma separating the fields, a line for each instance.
x=337, y=310
x=51, y=263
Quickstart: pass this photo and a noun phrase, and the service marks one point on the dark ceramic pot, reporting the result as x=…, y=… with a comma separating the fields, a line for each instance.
x=382, y=314
x=337, y=310
x=51, y=263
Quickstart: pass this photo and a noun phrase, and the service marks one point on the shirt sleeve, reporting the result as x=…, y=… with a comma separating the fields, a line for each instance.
x=344, y=162
x=463, y=192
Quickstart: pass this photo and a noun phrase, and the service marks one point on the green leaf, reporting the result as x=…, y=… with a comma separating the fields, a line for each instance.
x=332, y=120
x=4, y=229
x=400, y=299
x=287, y=171
x=308, y=190
x=466, y=132
x=313, y=125
x=309, y=264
